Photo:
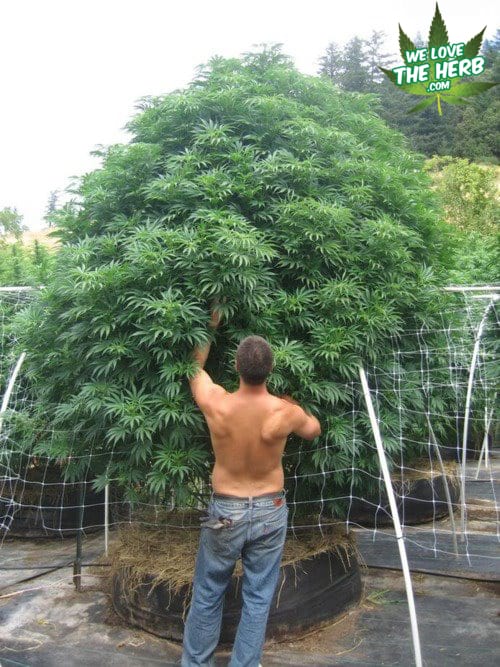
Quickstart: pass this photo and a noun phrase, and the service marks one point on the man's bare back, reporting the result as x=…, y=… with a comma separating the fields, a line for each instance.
x=249, y=429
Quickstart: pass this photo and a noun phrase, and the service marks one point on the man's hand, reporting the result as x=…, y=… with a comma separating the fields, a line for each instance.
x=216, y=315
x=215, y=318
x=201, y=353
x=202, y=387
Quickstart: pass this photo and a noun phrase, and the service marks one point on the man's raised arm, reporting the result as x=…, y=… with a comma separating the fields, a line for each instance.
x=202, y=386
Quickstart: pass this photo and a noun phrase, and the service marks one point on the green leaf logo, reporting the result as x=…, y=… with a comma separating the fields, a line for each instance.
x=405, y=44
x=435, y=71
x=438, y=34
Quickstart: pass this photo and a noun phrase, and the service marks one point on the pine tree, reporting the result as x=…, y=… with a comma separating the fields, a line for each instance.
x=51, y=207
x=376, y=57
x=357, y=75
x=477, y=130
x=332, y=64
x=490, y=50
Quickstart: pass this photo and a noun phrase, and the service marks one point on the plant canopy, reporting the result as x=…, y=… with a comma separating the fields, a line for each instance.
x=286, y=200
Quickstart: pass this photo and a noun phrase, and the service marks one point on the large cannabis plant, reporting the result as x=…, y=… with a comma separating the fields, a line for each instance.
x=290, y=203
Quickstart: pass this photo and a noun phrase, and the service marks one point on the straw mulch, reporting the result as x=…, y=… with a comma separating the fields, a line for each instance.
x=168, y=553
x=421, y=469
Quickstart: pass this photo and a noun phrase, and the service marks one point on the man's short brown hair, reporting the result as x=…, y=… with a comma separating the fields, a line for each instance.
x=254, y=359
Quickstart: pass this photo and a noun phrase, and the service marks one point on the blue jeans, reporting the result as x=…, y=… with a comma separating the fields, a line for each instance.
x=257, y=533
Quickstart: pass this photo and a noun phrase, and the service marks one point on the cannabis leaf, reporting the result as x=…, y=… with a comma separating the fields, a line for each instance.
x=472, y=47
x=458, y=92
x=438, y=35
x=405, y=44
x=422, y=105
x=413, y=88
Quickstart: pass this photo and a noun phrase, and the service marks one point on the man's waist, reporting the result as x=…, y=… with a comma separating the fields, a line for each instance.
x=250, y=498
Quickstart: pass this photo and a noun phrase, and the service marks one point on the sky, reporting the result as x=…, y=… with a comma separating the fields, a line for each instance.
x=71, y=71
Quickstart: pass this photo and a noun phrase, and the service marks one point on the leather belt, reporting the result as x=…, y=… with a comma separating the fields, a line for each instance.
x=264, y=496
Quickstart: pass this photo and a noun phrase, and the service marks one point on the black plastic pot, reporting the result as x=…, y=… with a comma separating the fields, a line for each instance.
x=419, y=500
x=309, y=592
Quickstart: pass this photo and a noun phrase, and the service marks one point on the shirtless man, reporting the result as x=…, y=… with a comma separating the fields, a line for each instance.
x=247, y=511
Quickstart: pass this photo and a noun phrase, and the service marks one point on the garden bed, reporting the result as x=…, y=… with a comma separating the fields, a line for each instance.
x=43, y=505
x=420, y=496
x=152, y=572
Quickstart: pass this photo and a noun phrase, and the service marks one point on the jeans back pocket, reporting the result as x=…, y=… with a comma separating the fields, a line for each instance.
x=275, y=520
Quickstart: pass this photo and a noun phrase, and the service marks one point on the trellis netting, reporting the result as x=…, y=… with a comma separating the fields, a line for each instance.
x=12, y=299
x=454, y=404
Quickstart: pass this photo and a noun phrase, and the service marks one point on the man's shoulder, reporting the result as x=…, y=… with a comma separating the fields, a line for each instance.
x=218, y=393
x=205, y=391
x=279, y=409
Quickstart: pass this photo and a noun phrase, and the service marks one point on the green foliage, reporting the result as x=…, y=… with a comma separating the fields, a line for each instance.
x=24, y=265
x=468, y=192
x=332, y=64
x=476, y=259
x=10, y=223
x=20, y=266
x=355, y=77
x=470, y=200
x=291, y=203
x=477, y=131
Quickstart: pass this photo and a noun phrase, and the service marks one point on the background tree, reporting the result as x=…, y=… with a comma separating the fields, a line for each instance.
x=355, y=67
x=477, y=130
x=470, y=131
x=295, y=207
x=427, y=132
x=11, y=222
x=332, y=64
x=356, y=76
x=51, y=207
x=376, y=56
x=490, y=50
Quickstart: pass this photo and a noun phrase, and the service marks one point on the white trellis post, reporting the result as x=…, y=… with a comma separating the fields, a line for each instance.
x=485, y=448
x=472, y=370
x=446, y=486
x=106, y=518
x=395, y=518
x=12, y=380
x=3, y=408
x=10, y=387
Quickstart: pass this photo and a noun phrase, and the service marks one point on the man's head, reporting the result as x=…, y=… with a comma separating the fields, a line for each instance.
x=254, y=360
